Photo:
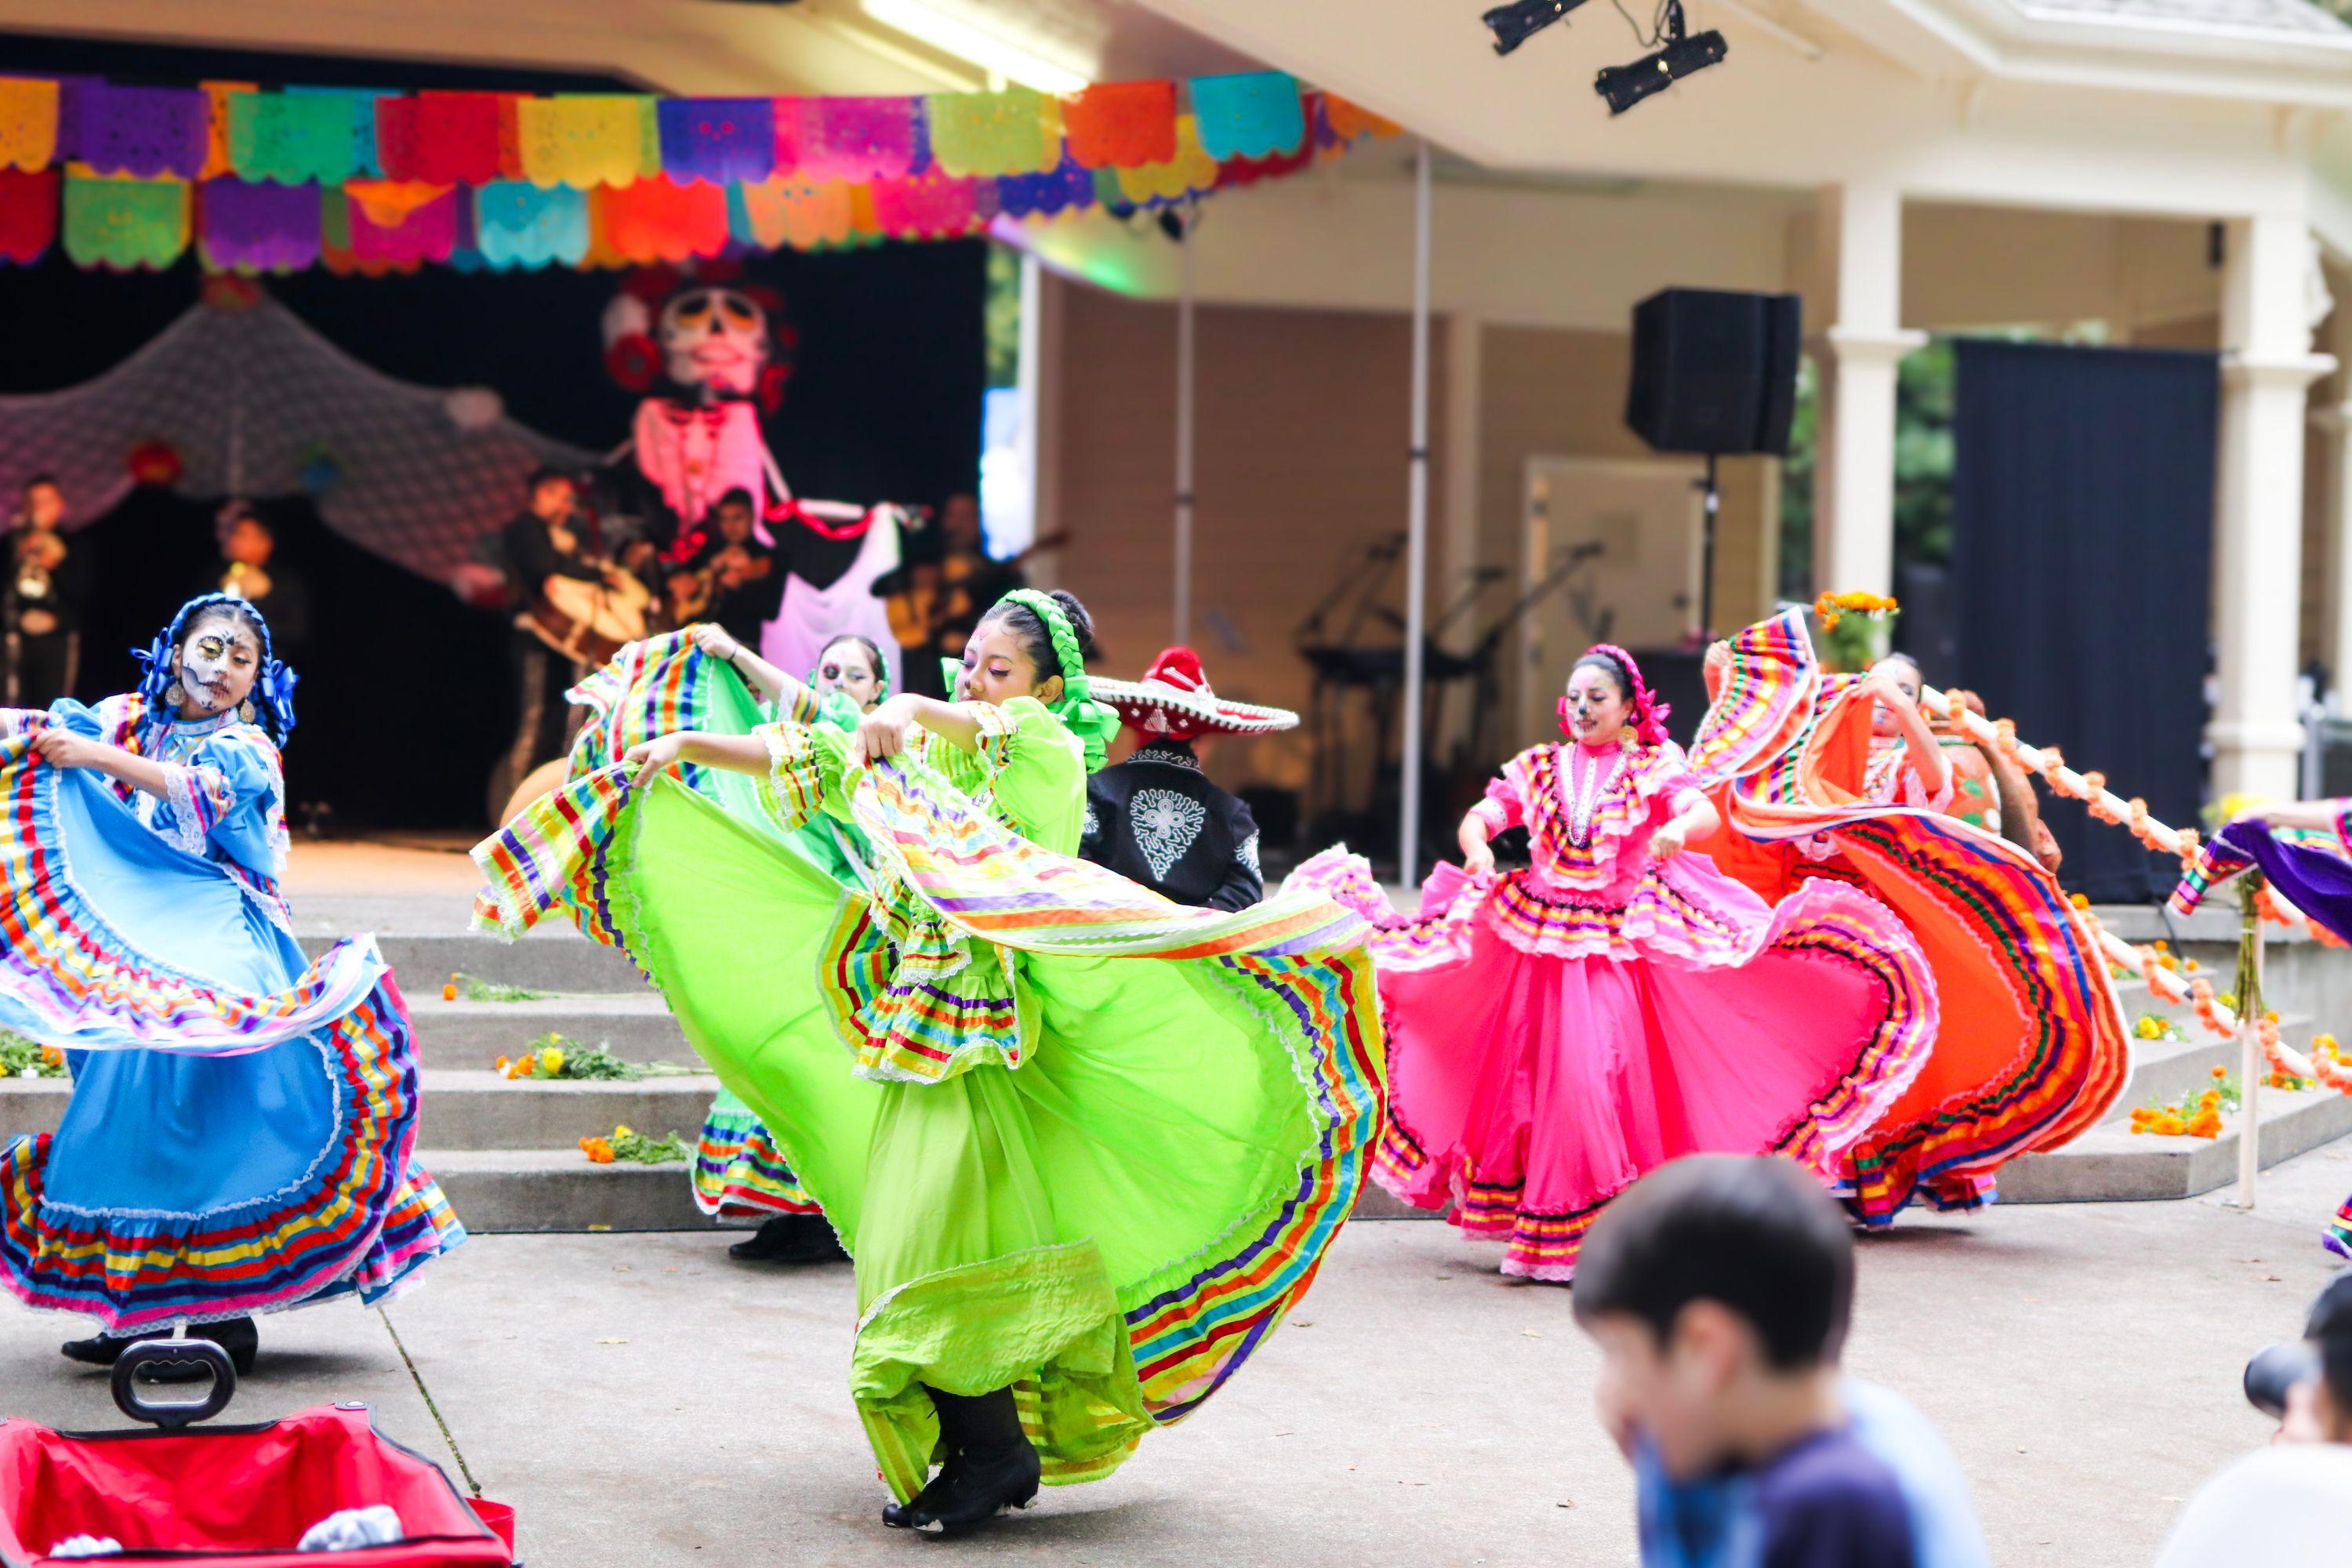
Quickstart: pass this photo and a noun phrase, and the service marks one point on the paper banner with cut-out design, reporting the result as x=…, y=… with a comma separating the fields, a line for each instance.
x=258, y=225
x=29, y=214
x=662, y=220
x=119, y=222
x=787, y=213
x=809, y=173
x=1121, y=124
x=293, y=138
x=148, y=132
x=1191, y=172
x=587, y=139
x=1017, y=132
x=1046, y=195
x=518, y=223
x=854, y=140
x=721, y=140
x=28, y=122
x=928, y=206
x=1254, y=115
x=440, y=138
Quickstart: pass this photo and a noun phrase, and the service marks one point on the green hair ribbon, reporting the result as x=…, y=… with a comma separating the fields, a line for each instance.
x=1094, y=723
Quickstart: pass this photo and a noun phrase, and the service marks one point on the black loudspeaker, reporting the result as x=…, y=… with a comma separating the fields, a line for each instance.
x=1714, y=372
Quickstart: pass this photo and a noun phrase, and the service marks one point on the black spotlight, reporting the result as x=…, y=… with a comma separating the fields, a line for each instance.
x=1516, y=23
x=1626, y=86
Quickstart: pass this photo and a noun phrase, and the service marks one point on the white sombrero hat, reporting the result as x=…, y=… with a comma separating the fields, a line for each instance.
x=1173, y=699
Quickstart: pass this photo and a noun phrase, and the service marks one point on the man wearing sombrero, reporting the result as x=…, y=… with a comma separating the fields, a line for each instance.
x=1155, y=818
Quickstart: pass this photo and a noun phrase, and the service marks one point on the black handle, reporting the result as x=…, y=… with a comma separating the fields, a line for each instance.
x=172, y=1415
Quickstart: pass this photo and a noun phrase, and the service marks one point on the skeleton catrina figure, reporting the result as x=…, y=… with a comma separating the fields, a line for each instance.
x=713, y=359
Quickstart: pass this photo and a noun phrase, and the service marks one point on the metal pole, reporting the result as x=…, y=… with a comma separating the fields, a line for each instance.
x=2251, y=1067
x=1416, y=574
x=1185, y=329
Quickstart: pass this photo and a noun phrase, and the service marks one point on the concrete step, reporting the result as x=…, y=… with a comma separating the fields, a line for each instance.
x=544, y=1189
x=549, y=959
x=469, y=1110
x=462, y=1035
x=2113, y=1164
x=2167, y=1069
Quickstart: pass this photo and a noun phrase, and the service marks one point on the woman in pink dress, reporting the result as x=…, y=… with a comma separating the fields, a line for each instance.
x=1555, y=1032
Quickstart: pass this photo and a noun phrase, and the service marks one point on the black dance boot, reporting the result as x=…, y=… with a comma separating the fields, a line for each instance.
x=791, y=1238
x=98, y=1349
x=901, y=1515
x=995, y=1468
x=235, y=1335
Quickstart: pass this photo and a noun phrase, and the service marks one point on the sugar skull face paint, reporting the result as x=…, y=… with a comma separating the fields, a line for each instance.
x=216, y=666
x=846, y=668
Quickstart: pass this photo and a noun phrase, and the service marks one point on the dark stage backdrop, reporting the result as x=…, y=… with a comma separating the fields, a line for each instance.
x=2082, y=525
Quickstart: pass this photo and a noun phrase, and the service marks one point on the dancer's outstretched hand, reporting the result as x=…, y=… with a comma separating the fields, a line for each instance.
x=1667, y=842
x=62, y=748
x=716, y=640
x=655, y=755
x=1478, y=859
x=885, y=732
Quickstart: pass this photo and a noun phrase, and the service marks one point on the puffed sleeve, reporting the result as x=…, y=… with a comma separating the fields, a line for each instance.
x=1036, y=770
x=1505, y=805
x=232, y=796
x=805, y=762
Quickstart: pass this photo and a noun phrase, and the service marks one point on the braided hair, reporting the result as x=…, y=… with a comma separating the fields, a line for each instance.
x=1058, y=636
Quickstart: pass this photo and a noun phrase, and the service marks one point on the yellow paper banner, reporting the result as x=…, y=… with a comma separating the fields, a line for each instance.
x=28, y=122
x=587, y=141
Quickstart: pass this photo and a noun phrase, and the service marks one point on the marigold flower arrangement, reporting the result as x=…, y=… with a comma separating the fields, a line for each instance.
x=476, y=990
x=631, y=1146
x=557, y=1057
x=2197, y=1114
x=1834, y=607
x=2156, y=1027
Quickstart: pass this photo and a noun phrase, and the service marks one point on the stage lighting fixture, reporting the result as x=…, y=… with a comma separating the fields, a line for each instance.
x=1626, y=86
x=1515, y=24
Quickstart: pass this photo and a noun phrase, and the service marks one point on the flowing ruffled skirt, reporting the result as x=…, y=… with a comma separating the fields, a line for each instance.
x=1110, y=1228
x=738, y=1174
x=241, y=1131
x=1545, y=1052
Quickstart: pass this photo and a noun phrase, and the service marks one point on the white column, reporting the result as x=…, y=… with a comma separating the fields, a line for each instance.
x=2331, y=423
x=1464, y=358
x=1860, y=298
x=2266, y=369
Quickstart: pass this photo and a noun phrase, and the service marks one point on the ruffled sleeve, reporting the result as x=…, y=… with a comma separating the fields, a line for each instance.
x=805, y=767
x=1035, y=770
x=803, y=704
x=1505, y=805
x=231, y=797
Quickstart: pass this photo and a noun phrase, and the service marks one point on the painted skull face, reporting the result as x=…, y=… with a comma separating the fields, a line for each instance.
x=217, y=667
x=715, y=338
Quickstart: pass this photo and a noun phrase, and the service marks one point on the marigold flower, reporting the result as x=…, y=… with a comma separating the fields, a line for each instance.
x=449, y=993
x=2220, y=1072
x=550, y=1061
x=599, y=1152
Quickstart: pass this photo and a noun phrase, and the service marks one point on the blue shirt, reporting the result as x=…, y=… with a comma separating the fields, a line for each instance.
x=1879, y=1490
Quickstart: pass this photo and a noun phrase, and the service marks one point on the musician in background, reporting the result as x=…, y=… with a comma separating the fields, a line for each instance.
x=972, y=580
x=42, y=601
x=250, y=570
x=544, y=541
x=736, y=578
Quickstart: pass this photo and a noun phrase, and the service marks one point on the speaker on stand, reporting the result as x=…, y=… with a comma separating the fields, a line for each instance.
x=1715, y=373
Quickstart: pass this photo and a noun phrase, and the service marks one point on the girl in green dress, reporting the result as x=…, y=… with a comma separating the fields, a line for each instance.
x=1088, y=1145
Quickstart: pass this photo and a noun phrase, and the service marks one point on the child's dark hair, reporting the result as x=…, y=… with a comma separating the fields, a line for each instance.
x=236, y=613
x=1607, y=665
x=2329, y=1330
x=1037, y=638
x=1757, y=1235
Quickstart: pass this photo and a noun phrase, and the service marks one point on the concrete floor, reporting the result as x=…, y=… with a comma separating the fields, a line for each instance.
x=642, y=1400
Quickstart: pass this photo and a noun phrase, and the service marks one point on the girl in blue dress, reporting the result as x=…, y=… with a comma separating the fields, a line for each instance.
x=240, y=1134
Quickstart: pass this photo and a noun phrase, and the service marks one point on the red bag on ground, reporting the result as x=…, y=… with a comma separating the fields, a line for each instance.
x=234, y=1496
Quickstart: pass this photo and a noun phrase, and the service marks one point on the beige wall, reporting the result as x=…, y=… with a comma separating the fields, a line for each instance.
x=1562, y=394
x=1303, y=422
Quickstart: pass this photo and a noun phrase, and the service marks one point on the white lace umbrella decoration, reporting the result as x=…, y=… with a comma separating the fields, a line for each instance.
x=256, y=403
